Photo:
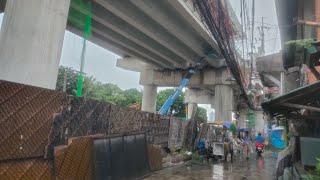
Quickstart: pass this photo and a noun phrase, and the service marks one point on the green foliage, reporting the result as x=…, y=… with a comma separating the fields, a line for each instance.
x=178, y=107
x=252, y=119
x=316, y=174
x=301, y=44
x=233, y=128
x=133, y=96
x=113, y=94
x=96, y=90
x=71, y=81
x=201, y=115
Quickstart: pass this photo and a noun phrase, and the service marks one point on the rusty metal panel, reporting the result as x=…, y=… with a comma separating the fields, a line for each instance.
x=26, y=115
x=124, y=120
x=176, y=133
x=35, y=120
x=161, y=130
x=121, y=157
x=82, y=117
x=88, y=117
x=75, y=161
x=29, y=169
x=156, y=128
x=155, y=157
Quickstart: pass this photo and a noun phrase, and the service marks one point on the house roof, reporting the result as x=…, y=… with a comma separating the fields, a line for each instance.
x=306, y=97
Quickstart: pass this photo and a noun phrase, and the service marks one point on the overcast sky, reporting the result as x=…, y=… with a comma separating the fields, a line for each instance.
x=101, y=63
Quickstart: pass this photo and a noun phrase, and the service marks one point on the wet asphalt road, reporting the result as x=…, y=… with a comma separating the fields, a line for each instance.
x=261, y=169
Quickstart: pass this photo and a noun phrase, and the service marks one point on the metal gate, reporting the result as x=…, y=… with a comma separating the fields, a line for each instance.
x=122, y=157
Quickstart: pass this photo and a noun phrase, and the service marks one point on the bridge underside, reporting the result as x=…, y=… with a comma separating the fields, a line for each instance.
x=166, y=34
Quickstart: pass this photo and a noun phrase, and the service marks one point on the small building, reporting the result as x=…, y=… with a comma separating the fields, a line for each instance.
x=297, y=106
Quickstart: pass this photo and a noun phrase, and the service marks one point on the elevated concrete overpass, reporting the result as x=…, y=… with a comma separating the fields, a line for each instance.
x=166, y=34
x=150, y=35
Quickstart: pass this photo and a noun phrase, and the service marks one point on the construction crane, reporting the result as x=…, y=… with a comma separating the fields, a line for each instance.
x=183, y=83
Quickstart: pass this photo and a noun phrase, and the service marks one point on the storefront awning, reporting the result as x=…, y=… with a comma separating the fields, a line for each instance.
x=290, y=104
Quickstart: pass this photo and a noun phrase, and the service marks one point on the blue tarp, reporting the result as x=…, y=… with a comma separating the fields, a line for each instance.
x=276, y=139
x=227, y=124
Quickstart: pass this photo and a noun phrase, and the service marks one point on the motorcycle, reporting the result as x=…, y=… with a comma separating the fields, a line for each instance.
x=259, y=149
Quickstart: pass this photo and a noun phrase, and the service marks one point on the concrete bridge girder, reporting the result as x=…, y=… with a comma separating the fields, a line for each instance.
x=132, y=15
x=166, y=30
x=164, y=14
x=186, y=9
x=166, y=34
x=129, y=32
x=206, y=78
x=199, y=96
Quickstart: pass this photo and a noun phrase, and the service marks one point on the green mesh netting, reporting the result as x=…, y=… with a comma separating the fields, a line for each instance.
x=80, y=16
x=252, y=119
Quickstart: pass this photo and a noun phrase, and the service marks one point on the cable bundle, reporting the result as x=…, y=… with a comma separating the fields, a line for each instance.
x=215, y=15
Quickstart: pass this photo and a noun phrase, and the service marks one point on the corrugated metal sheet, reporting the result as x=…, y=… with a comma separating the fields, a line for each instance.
x=26, y=115
x=35, y=120
x=157, y=129
x=82, y=117
x=155, y=157
x=30, y=169
x=88, y=117
x=307, y=95
x=124, y=120
x=121, y=157
x=75, y=161
x=176, y=134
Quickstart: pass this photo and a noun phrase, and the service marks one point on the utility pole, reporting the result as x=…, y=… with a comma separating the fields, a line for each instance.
x=64, y=87
x=262, y=50
x=252, y=40
x=262, y=37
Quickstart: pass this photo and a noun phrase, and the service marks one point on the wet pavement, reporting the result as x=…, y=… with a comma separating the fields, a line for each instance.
x=261, y=169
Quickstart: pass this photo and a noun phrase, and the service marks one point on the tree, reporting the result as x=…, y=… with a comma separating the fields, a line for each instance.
x=68, y=82
x=113, y=94
x=96, y=90
x=70, y=75
x=133, y=96
x=178, y=107
x=201, y=115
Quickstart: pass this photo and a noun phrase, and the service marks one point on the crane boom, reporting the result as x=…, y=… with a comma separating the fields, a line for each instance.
x=173, y=97
x=183, y=83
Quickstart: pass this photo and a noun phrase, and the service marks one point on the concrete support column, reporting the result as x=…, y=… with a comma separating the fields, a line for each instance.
x=282, y=83
x=291, y=79
x=192, y=109
x=31, y=40
x=223, y=103
x=149, y=98
x=260, y=122
x=242, y=123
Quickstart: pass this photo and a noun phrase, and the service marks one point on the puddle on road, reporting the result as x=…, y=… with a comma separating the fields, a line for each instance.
x=262, y=169
x=217, y=171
